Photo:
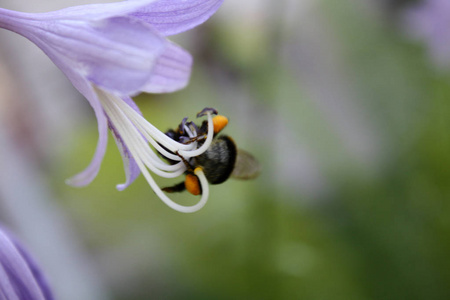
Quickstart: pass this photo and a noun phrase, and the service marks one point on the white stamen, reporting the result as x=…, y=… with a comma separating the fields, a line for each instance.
x=159, y=136
x=170, y=202
x=183, y=149
x=134, y=141
x=138, y=134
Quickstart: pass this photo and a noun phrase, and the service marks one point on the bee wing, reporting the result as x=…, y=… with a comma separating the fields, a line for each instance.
x=246, y=166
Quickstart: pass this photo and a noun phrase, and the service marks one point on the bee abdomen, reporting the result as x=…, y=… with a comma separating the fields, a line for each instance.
x=218, y=161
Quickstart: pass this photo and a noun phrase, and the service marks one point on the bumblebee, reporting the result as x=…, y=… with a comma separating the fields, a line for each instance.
x=219, y=162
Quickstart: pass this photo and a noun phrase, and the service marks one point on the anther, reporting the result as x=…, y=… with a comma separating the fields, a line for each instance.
x=181, y=127
x=192, y=126
x=207, y=110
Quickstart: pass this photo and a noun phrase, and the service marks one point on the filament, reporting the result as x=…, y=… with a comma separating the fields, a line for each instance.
x=138, y=134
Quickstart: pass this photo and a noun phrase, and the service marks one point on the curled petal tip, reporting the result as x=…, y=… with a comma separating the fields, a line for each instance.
x=121, y=187
x=75, y=182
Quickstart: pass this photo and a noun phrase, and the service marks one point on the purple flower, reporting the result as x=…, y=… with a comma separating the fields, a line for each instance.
x=111, y=52
x=20, y=278
x=429, y=20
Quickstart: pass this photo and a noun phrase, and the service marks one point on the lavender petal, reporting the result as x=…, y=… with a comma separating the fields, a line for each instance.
x=17, y=280
x=117, y=53
x=429, y=21
x=132, y=50
x=171, y=72
x=170, y=17
x=131, y=168
x=37, y=273
x=98, y=11
x=85, y=88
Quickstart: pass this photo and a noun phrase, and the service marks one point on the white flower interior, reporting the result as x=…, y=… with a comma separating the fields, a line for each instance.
x=138, y=134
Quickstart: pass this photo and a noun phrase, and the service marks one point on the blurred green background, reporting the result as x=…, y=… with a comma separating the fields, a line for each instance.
x=350, y=122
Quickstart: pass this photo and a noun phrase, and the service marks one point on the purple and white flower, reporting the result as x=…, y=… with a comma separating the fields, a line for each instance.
x=20, y=277
x=111, y=52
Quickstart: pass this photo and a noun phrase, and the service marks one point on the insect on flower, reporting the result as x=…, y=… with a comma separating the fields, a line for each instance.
x=111, y=52
x=219, y=162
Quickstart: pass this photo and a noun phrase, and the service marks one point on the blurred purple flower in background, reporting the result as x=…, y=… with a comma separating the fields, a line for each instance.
x=111, y=52
x=20, y=278
x=429, y=21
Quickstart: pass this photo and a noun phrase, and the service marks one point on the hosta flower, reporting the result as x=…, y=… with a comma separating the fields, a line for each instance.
x=111, y=52
x=429, y=21
x=20, y=277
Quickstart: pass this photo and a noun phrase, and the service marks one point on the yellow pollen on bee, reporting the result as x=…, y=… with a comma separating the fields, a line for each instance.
x=192, y=184
x=219, y=123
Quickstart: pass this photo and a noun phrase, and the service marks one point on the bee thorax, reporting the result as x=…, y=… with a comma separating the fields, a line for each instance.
x=218, y=161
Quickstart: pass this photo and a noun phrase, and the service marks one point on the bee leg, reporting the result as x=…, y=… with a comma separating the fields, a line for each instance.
x=186, y=140
x=189, y=168
x=179, y=187
x=192, y=184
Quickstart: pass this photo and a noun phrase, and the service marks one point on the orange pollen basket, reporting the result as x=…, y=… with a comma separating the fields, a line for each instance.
x=192, y=184
x=219, y=123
